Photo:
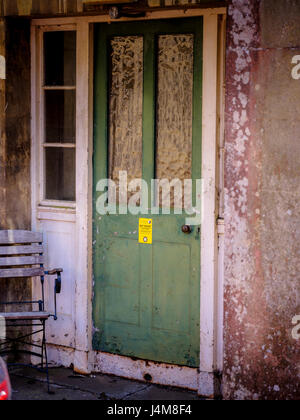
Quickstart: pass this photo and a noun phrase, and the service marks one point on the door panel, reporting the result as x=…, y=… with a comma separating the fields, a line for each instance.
x=121, y=281
x=148, y=80
x=168, y=311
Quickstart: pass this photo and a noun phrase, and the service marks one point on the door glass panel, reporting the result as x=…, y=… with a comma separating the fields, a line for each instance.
x=60, y=109
x=174, y=114
x=60, y=174
x=126, y=108
x=60, y=58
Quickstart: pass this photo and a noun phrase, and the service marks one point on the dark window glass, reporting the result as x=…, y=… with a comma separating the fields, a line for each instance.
x=60, y=120
x=60, y=58
x=60, y=174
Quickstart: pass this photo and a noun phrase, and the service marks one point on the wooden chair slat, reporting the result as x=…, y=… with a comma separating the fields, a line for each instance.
x=15, y=261
x=21, y=272
x=19, y=237
x=14, y=316
x=21, y=250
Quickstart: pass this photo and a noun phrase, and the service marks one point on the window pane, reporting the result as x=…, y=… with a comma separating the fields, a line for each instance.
x=60, y=174
x=60, y=58
x=174, y=108
x=126, y=107
x=60, y=109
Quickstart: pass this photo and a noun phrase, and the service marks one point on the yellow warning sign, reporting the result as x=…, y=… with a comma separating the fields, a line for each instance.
x=145, y=231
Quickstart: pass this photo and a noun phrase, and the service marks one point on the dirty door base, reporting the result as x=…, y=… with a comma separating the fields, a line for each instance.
x=157, y=373
x=205, y=383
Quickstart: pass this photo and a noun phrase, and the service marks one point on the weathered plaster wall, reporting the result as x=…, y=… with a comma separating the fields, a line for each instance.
x=15, y=143
x=262, y=273
x=2, y=130
x=18, y=119
x=262, y=294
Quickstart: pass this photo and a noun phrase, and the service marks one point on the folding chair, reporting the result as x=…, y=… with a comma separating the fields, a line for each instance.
x=21, y=257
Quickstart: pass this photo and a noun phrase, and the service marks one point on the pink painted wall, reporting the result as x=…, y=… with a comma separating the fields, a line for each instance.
x=262, y=261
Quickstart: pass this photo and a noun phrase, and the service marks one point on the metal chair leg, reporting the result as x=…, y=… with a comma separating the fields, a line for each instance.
x=43, y=351
x=46, y=358
x=7, y=348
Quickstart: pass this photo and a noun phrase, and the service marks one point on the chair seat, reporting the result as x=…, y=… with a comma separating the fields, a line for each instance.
x=14, y=316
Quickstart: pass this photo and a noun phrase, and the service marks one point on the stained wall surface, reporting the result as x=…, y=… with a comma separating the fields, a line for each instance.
x=2, y=125
x=262, y=272
x=15, y=197
x=262, y=216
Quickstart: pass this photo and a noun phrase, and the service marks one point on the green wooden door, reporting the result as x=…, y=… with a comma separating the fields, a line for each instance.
x=148, y=107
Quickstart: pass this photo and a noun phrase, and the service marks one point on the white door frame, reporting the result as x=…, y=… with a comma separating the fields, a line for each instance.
x=84, y=359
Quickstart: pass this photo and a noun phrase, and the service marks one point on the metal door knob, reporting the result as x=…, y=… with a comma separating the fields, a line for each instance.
x=186, y=229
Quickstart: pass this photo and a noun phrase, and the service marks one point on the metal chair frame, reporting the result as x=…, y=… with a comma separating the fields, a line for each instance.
x=24, y=248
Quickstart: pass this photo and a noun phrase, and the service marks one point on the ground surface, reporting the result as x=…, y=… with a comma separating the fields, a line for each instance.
x=28, y=384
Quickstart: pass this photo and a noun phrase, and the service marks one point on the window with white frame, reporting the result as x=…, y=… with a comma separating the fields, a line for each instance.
x=59, y=116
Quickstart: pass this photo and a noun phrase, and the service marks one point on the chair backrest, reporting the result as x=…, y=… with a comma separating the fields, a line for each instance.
x=21, y=254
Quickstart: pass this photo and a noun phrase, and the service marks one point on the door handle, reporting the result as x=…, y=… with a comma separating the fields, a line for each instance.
x=186, y=229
